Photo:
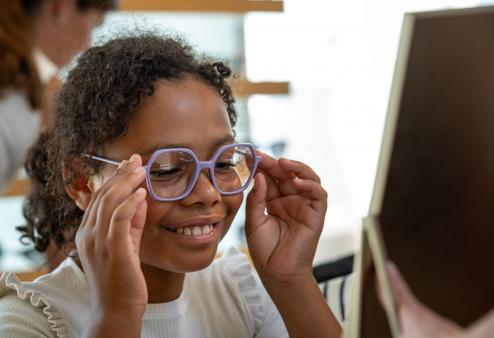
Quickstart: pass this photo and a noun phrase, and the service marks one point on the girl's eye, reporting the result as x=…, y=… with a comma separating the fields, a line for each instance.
x=164, y=174
x=225, y=164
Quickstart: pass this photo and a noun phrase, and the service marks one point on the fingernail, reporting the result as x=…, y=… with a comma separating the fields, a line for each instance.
x=140, y=191
x=138, y=169
x=133, y=158
x=122, y=164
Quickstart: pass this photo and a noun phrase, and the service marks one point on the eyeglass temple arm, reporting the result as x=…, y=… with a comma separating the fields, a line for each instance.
x=94, y=157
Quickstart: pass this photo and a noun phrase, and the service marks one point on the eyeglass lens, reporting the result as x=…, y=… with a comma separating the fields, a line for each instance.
x=172, y=172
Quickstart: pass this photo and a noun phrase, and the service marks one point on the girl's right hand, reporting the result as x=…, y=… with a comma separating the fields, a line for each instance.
x=108, y=241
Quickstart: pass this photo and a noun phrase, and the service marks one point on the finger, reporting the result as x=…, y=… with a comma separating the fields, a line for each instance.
x=90, y=211
x=272, y=186
x=129, y=176
x=272, y=167
x=90, y=214
x=129, y=218
x=400, y=288
x=139, y=220
x=118, y=192
x=313, y=191
x=124, y=168
x=256, y=204
x=300, y=169
x=287, y=188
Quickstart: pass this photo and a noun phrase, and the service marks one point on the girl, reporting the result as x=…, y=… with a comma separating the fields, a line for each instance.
x=146, y=234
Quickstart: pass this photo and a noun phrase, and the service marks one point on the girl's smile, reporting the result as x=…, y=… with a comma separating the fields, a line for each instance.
x=197, y=230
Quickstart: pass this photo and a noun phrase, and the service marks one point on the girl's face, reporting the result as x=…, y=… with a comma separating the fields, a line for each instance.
x=190, y=114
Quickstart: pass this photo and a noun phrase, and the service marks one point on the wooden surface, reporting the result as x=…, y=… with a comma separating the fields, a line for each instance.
x=231, y=6
x=245, y=88
x=19, y=187
x=29, y=276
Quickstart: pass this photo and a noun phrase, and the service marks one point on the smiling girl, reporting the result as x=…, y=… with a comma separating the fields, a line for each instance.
x=139, y=181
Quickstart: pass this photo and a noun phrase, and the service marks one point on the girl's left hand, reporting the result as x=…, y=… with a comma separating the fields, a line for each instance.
x=285, y=217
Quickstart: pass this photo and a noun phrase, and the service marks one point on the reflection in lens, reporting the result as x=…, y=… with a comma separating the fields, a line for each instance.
x=171, y=173
x=233, y=167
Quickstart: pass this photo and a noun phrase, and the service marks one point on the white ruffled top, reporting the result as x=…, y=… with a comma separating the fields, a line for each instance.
x=226, y=299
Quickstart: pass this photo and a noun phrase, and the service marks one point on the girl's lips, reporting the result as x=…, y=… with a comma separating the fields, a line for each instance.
x=197, y=221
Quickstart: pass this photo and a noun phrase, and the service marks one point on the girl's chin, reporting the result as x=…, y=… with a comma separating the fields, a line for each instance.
x=184, y=263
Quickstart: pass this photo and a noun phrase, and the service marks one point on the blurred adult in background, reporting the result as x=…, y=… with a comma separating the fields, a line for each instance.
x=37, y=38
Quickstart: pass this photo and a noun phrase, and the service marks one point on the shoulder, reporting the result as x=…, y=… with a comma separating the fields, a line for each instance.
x=237, y=285
x=19, y=126
x=14, y=99
x=234, y=270
x=231, y=274
x=37, y=306
x=21, y=315
x=16, y=112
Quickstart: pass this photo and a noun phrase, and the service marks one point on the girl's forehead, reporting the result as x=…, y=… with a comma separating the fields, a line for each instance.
x=189, y=113
x=182, y=103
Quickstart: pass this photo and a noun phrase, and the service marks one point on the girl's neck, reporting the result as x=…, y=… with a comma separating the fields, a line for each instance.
x=163, y=286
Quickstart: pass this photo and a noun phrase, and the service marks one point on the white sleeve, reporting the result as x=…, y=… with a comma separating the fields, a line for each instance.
x=19, y=127
x=20, y=319
x=266, y=319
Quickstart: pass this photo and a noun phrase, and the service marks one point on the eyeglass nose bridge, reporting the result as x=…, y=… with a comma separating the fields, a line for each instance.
x=200, y=166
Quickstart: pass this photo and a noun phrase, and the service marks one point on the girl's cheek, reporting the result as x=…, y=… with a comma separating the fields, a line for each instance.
x=234, y=202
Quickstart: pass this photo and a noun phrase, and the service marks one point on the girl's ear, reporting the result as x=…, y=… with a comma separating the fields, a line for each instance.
x=78, y=182
x=79, y=190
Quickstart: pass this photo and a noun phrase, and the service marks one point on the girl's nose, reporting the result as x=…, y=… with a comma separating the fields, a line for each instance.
x=203, y=191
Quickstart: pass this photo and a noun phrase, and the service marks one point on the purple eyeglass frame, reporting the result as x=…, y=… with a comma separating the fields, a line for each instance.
x=200, y=165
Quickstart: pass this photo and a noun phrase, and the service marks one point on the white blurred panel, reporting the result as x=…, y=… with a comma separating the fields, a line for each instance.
x=339, y=56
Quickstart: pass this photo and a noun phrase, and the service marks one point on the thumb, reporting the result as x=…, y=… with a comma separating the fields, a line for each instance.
x=256, y=203
x=400, y=289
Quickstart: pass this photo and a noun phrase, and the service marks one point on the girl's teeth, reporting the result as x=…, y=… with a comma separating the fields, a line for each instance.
x=195, y=230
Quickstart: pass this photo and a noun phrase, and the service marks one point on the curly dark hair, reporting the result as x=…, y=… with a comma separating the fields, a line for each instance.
x=95, y=105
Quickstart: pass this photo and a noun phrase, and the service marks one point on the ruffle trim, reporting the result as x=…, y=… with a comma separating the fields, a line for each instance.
x=10, y=282
x=242, y=274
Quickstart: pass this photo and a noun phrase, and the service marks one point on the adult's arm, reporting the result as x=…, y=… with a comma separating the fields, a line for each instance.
x=19, y=127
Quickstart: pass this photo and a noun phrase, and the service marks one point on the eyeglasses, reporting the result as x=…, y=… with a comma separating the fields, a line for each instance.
x=171, y=173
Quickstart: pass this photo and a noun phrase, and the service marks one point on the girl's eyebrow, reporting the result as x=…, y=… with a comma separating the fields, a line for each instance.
x=215, y=143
